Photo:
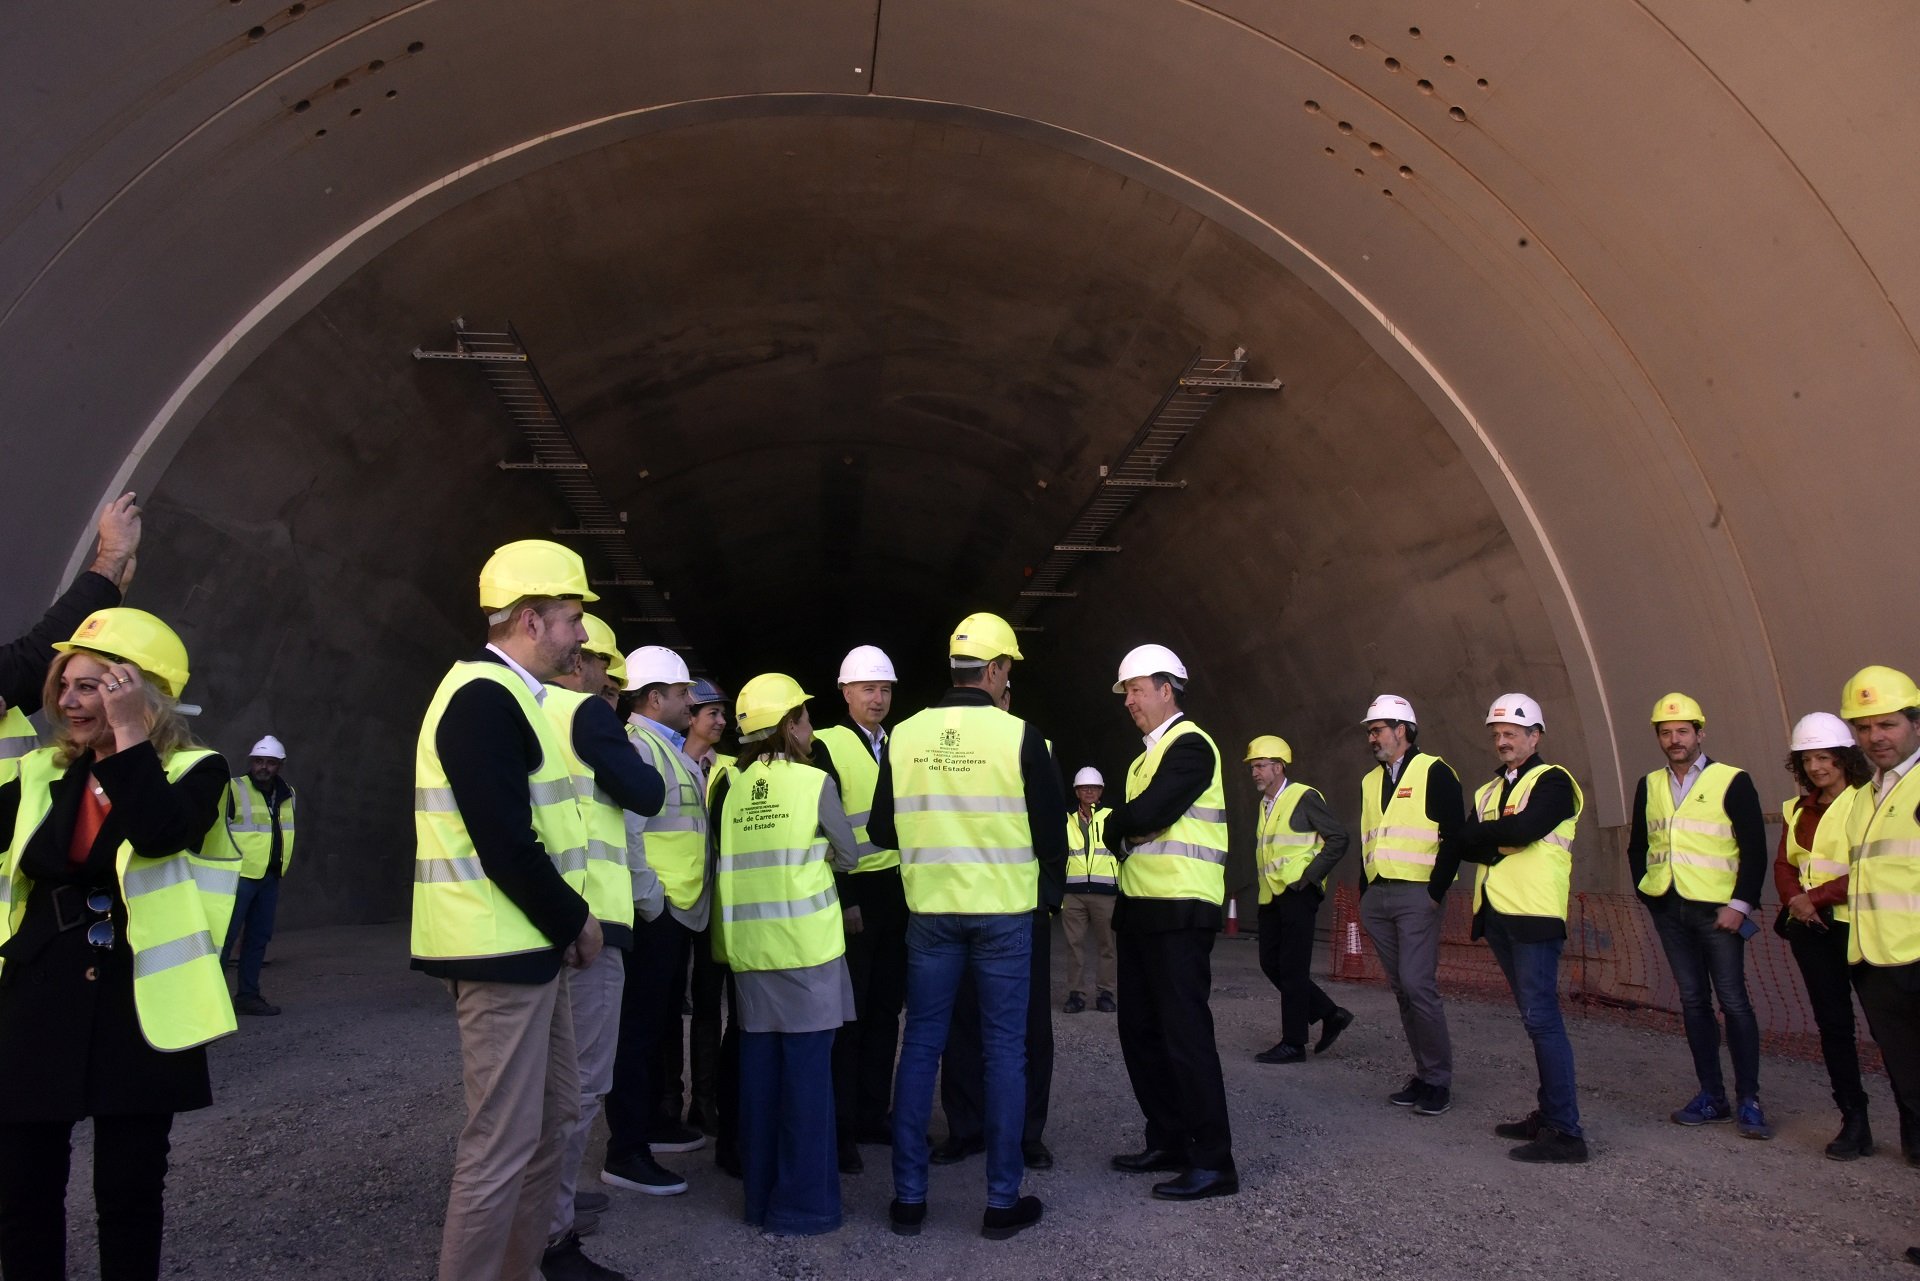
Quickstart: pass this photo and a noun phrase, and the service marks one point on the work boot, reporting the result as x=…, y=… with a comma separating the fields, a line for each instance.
x=1526, y=1131
x=1855, y=1138
x=1076, y=1002
x=254, y=1004
x=1331, y=1027
x=562, y=1261
x=999, y=1224
x=1552, y=1148
x=1106, y=1004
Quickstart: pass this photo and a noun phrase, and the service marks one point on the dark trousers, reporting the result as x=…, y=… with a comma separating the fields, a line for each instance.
x=129, y=1179
x=1822, y=958
x=787, y=1155
x=1166, y=1039
x=963, y=1068
x=1710, y=964
x=704, y=1028
x=1286, y=958
x=1890, y=994
x=649, y=1002
x=864, y=1050
x=1533, y=973
x=254, y=907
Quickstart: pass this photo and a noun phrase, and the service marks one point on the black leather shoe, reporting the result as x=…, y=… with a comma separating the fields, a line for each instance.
x=1281, y=1053
x=1105, y=1003
x=1195, y=1185
x=998, y=1225
x=1331, y=1027
x=1035, y=1156
x=850, y=1162
x=905, y=1218
x=1913, y=1254
x=1076, y=1002
x=1522, y=1131
x=952, y=1150
x=1151, y=1161
x=1552, y=1148
x=1855, y=1139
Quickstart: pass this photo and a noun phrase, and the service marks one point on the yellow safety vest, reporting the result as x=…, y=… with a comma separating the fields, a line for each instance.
x=1399, y=842
x=1189, y=859
x=774, y=888
x=609, y=882
x=960, y=812
x=859, y=774
x=458, y=913
x=1536, y=879
x=675, y=839
x=1692, y=851
x=1831, y=854
x=17, y=738
x=1280, y=854
x=1089, y=861
x=250, y=821
x=178, y=908
x=1884, y=892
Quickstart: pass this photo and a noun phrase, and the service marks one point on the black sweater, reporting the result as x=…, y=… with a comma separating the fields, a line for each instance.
x=1749, y=833
x=1185, y=771
x=1446, y=810
x=1479, y=840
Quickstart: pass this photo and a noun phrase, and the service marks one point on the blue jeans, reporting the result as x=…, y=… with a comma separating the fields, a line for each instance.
x=788, y=1157
x=1703, y=957
x=252, y=928
x=940, y=948
x=1533, y=972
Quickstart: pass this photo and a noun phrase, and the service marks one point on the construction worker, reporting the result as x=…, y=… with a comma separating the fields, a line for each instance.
x=1093, y=885
x=1410, y=806
x=259, y=812
x=667, y=854
x=1297, y=843
x=1811, y=870
x=1883, y=707
x=1520, y=837
x=707, y=724
x=119, y=875
x=783, y=834
x=966, y=781
x=499, y=911
x=1171, y=837
x=608, y=779
x=1698, y=853
x=875, y=914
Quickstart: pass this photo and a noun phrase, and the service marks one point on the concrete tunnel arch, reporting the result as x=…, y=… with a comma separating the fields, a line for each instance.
x=1482, y=285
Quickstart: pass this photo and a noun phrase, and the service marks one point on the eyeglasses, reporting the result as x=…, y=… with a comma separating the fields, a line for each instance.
x=100, y=933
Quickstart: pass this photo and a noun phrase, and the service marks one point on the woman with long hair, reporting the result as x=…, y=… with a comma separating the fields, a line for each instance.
x=1810, y=871
x=119, y=877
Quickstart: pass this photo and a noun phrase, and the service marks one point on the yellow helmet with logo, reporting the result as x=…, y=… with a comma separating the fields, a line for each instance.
x=985, y=637
x=1875, y=691
x=137, y=637
x=532, y=567
x=1678, y=707
x=1269, y=747
x=764, y=700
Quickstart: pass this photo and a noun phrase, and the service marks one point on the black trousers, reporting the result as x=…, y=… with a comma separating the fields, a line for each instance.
x=1166, y=1039
x=1286, y=958
x=1890, y=994
x=129, y=1179
x=864, y=1050
x=963, y=1067
x=650, y=1004
x=704, y=1028
x=1822, y=958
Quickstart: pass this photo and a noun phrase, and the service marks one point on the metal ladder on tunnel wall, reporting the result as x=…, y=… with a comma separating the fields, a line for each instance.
x=523, y=393
x=1180, y=411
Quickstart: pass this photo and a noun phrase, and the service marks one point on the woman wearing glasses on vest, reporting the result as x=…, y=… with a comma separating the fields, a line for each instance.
x=1810, y=871
x=117, y=866
x=783, y=834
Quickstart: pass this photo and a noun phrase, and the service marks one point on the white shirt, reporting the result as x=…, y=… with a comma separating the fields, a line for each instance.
x=875, y=741
x=1266, y=802
x=539, y=691
x=1678, y=785
x=1884, y=784
x=1160, y=731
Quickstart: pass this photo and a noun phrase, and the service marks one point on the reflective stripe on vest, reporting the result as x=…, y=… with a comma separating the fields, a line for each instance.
x=1831, y=855
x=1531, y=880
x=177, y=906
x=458, y=913
x=1089, y=861
x=1188, y=860
x=1399, y=842
x=966, y=844
x=608, y=882
x=17, y=738
x=252, y=828
x=859, y=772
x=1691, y=849
x=774, y=884
x=1883, y=893
x=1280, y=854
x=675, y=839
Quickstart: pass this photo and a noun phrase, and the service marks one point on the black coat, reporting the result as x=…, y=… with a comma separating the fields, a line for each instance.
x=70, y=1041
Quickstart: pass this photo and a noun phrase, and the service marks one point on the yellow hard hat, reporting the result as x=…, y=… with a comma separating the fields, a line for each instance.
x=1269, y=747
x=1875, y=691
x=532, y=567
x=764, y=700
x=602, y=641
x=985, y=637
x=1678, y=707
x=137, y=637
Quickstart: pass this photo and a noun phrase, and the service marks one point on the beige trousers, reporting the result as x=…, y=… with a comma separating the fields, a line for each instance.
x=1079, y=915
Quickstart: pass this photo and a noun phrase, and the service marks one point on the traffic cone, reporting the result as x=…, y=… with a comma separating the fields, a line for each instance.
x=1233, y=918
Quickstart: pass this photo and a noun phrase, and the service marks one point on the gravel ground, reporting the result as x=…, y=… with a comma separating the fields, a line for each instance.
x=327, y=1151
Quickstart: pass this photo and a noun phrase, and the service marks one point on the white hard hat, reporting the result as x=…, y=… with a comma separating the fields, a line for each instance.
x=866, y=663
x=1390, y=707
x=271, y=746
x=1088, y=777
x=1515, y=709
x=1149, y=660
x=1820, y=729
x=656, y=665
